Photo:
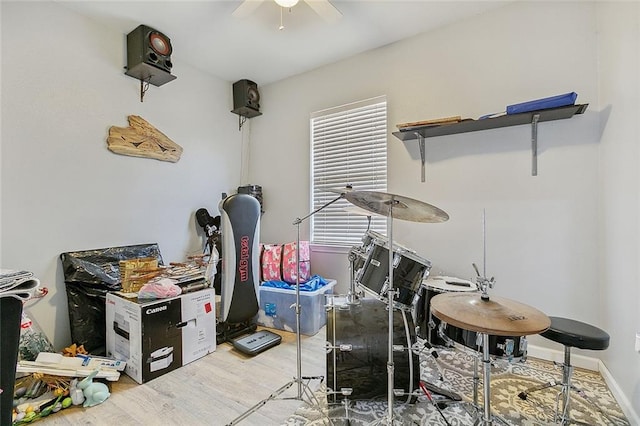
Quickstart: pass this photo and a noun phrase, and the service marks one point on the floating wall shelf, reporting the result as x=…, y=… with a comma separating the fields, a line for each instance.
x=533, y=117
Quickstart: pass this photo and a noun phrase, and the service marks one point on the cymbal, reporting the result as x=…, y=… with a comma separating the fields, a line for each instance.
x=401, y=207
x=358, y=211
x=342, y=190
x=497, y=316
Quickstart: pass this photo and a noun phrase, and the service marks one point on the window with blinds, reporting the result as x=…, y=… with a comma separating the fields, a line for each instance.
x=348, y=147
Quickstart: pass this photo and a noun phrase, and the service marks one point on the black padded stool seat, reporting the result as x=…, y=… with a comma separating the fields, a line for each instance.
x=571, y=334
x=576, y=334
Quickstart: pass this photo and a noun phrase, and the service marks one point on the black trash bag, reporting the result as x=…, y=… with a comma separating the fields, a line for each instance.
x=89, y=275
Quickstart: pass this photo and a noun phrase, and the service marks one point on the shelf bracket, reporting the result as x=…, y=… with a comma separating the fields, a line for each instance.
x=534, y=144
x=422, y=155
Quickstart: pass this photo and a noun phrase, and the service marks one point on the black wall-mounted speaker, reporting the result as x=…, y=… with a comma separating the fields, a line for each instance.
x=149, y=55
x=246, y=98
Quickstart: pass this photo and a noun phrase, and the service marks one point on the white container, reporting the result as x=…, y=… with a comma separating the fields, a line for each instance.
x=158, y=336
x=276, y=310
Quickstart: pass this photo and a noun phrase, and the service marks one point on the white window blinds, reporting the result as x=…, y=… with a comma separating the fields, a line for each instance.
x=348, y=147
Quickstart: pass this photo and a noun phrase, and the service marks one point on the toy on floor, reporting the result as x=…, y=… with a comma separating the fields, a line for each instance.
x=94, y=393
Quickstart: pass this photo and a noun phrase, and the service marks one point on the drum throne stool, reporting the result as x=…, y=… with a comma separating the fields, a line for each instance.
x=576, y=334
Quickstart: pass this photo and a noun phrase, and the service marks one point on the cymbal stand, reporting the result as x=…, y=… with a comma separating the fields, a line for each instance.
x=390, y=300
x=484, y=284
x=301, y=382
x=352, y=295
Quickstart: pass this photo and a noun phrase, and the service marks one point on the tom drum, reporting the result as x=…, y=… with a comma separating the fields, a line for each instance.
x=409, y=270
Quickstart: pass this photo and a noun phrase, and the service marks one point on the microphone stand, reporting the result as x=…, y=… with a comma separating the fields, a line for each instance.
x=298, y=379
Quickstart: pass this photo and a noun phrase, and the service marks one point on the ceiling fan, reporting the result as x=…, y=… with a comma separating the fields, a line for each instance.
x=324, y=8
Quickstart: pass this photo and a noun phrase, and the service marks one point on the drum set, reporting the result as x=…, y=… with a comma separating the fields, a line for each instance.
x=372, y=332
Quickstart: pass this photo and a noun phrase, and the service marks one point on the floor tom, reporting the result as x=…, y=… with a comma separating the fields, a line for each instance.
x=428, y=325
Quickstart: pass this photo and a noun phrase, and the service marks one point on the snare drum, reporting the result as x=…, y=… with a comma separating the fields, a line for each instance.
x=409, y=270
x=429, y=326
x=357, y=351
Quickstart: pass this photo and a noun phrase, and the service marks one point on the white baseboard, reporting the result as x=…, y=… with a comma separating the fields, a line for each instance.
x=593, y=364
x=624, y=403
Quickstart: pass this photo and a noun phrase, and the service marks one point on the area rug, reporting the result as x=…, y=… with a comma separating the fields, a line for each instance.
x=452, y=371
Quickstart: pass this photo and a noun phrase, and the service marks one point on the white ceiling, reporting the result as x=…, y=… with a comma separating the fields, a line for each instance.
x=205, y=35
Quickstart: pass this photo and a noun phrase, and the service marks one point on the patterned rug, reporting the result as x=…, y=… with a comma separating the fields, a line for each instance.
x=452, y=371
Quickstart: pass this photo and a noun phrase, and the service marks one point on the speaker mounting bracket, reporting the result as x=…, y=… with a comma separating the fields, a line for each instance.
x=144, y=86
x=241, y=120
x=244, y=113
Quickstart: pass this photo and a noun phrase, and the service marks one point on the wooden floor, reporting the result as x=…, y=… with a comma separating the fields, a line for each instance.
x=213, y=390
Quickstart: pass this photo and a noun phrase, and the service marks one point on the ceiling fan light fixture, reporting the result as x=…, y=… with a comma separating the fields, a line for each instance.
x=286, y=3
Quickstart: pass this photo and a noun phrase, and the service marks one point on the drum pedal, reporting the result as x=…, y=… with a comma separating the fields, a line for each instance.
x=437, y=390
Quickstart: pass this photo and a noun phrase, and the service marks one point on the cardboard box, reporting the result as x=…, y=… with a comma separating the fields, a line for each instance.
x=276, y=311
x=155, y=337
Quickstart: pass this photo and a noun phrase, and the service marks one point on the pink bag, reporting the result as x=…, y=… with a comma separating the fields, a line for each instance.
x=270, y=260
x=289, y=266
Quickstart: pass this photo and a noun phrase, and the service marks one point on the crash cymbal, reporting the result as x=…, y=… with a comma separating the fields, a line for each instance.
x=358, y=211
x=401, y=207
x=496, y=316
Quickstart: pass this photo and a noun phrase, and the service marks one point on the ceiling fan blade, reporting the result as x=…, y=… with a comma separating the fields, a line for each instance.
x=325, y=9
x=246, y=8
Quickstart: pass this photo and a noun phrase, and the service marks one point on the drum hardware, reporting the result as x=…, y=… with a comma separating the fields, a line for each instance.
x=353, y=296
x=448, y=342
x=434, y=353
x=391, y=206
x=341, y=347
x=430, y=398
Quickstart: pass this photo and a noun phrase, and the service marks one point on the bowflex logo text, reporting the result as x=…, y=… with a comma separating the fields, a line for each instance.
x=244, y=258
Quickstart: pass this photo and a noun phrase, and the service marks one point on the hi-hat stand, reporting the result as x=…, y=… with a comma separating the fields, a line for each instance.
x=301, y=382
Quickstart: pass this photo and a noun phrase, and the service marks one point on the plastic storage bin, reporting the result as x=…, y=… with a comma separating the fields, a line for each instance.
x=276, y=311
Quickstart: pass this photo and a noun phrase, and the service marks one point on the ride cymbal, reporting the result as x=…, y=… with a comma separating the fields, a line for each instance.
x=401, y=207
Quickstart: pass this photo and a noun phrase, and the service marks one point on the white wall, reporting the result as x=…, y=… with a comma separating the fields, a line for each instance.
x=63, y=86
x=565, y=242
x=541, y=231
x=544, y=233
x=619, y=96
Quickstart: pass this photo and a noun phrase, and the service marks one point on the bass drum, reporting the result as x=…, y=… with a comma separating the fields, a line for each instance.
x=357, y=351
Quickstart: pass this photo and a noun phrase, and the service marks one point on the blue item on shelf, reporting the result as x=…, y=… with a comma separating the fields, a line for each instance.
x=544, y=103
x=313, y=284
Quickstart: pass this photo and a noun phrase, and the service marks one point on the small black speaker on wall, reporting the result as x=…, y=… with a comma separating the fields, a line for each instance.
x=149, y=56
x=246, y=99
